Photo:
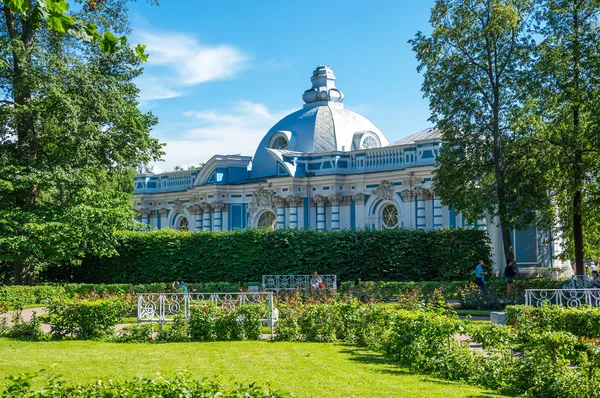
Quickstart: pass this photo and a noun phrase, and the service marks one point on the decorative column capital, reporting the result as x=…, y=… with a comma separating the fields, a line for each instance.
x=345, y=201
x=320, y=200
x=408, y=195
x=426, y=194
x=359, y=198
x=153, y=213
x=279, y=201
x=206, y=206
x=145, y=212
x=195, y=209
x=335, y=199
x=219, y=206
x=294, y=200
x=163, y=212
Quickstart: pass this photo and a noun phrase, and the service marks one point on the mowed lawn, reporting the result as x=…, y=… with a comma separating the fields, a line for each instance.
x=304, y=369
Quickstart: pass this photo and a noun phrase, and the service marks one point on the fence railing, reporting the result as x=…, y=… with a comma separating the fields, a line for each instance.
x=291, y=282
x=563, y=297
x=162, y=307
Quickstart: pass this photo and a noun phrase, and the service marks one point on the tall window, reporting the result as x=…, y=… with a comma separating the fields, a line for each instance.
x=389, y=216
x=267, y=220
x=183, y=224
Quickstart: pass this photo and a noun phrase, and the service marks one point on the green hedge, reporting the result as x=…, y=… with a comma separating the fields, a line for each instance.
x=582, y=321
x=390, y=290
x=393, y=255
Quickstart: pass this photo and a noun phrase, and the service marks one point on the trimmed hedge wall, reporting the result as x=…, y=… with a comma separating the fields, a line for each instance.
x=392, y=255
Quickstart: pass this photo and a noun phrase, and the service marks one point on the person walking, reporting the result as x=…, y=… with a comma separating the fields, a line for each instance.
x=179, y=287
x=510, y=273
x=480, y=277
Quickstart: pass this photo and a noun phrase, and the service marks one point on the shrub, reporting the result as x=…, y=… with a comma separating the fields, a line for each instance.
x=24, y=330
x=136, y=334
x=471, y=298
x=176, y=331
x=180, y=386
x=581, y=321
x=86, y=319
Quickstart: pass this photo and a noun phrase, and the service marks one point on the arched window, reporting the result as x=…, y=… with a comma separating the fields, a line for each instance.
x=279, y=142
x=183, y=224
x=267, y=220
x=368, y=141
x=389, y=216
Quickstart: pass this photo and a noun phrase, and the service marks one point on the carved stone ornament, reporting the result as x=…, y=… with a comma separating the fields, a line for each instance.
x=385, y=190
x=195, y=199
x=294, y=201
x=153, y=213
x=279, y=201
x=206, y=207
x=145, y=212
x=425, y=194
x=408, y=195
x=195, y=209
x=320, y=200
x=359, y=198
x=219, y=206
x=335, y=199
x=178, y=206
x=345, y=200
x=262, y=199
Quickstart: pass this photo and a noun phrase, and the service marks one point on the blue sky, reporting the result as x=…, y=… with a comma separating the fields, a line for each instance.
x=220, y=74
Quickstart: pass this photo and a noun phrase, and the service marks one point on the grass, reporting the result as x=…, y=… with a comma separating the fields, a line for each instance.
x=304, y=369
x=473, y=312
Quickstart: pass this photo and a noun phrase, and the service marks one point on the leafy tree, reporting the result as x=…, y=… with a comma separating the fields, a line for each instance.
x=69, y=123
x=473, y=65
x=566, y=85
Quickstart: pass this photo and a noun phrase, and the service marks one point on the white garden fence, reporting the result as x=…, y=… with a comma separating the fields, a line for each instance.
x=563, y=297
x=292, y=282
x=162, y=307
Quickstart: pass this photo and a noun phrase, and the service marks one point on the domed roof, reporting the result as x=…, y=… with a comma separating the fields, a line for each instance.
x=323, y=125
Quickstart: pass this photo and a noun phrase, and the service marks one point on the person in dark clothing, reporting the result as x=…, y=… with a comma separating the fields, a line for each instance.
x=510, y=273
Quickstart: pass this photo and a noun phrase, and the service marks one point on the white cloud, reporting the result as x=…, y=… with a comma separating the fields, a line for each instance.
x=184, y=62
x=236, y=130
x=154, y=89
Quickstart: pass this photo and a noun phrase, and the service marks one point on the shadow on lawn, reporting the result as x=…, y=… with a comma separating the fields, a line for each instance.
x=365, y=356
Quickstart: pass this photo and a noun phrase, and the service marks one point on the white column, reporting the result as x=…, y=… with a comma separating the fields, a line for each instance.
x=437, y=213
x=359, y=210
x=198, y=217
x=293, y=202
x=320, y=201
x=163, y=218
x=280, y=203
x=217, y=216
x=335, y=211
x=421, y=219
x=206, y=216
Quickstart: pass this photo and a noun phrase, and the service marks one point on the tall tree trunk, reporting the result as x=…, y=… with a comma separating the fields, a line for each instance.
x=507, y=246
x=25, y=128
x=578, y=176
x=578, y=232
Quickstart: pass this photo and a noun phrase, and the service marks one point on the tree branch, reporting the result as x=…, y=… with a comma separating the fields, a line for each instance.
x=10, y=23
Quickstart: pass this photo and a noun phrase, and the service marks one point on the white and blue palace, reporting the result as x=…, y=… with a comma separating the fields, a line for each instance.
x=322, y=167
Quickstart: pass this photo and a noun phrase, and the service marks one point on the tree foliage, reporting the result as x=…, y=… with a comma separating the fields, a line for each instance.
x=473, y=65
x=565, y=86
x=69, y=125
